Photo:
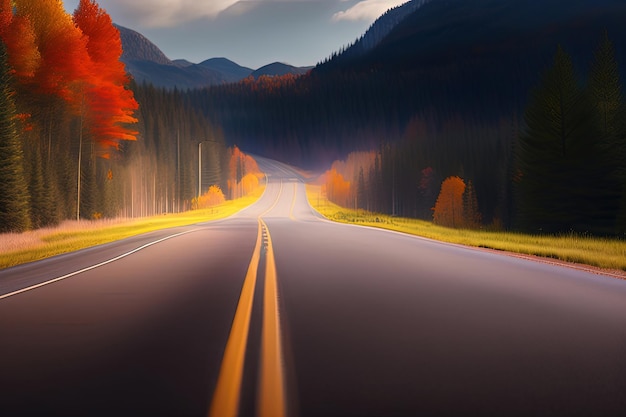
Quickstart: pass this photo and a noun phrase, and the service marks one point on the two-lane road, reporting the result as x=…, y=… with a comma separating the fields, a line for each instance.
x=276, y=311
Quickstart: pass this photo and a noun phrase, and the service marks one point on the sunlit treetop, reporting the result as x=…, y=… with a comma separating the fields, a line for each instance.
x=18, y=35
x=62, y=46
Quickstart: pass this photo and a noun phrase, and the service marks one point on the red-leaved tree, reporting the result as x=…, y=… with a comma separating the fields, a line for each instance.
x=65, y=63
x=110, y=105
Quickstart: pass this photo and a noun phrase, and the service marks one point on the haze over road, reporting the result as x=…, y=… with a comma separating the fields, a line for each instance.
x=276, y=311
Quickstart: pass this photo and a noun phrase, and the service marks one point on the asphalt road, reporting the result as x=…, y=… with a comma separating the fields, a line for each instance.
x=276, y=311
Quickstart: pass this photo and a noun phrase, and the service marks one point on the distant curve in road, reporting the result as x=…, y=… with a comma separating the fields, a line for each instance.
x=278, y=312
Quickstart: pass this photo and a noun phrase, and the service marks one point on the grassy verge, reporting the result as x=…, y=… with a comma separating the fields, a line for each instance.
x=602, y=253
x=16, y=249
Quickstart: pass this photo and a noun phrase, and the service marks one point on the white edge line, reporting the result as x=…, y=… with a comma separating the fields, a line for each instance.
x=89, y=268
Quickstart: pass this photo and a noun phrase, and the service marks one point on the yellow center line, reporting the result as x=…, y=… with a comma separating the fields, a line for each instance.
x=293, y=202
x=280, y=192
x=226, y=397
x=271, y=401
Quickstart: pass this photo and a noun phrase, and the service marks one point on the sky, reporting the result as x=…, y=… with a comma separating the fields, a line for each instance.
x=252, y=33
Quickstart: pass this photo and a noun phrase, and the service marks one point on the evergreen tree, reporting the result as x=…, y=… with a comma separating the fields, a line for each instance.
x=14, y=210
x=606, y=160
x=552, y=152
x=606, y=90
x=471, y=212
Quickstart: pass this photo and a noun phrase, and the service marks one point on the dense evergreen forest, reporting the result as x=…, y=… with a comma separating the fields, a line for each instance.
x=79, y=141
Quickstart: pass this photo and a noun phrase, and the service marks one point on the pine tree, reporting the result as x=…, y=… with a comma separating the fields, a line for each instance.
x=471, y=212
x=605, y=88
x=14, y=209
x=552, y=152
x=606, y=159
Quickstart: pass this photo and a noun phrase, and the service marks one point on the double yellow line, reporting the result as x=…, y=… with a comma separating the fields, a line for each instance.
x=271, y=400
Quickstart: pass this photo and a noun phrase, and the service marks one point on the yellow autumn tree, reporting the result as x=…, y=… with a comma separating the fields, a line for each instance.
x=213, y=197
x=448, y=210
x=249, y=183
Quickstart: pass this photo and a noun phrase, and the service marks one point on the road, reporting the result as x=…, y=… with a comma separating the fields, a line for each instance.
x=276, y=312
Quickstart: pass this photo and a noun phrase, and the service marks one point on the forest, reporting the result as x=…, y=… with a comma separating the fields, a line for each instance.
x=560, y=168
x=80, y=140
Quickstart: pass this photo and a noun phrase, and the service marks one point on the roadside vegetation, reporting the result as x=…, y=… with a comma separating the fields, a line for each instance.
x=19, y=248
x=605, y=253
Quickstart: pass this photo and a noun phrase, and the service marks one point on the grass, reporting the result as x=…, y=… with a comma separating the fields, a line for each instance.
x=604, y=253
x=19, y=248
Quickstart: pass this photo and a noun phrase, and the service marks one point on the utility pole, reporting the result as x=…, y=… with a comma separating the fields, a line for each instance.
x=199, y=170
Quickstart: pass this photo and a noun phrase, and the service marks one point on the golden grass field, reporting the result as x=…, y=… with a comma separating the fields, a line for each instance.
x=19, y=248
x=604, y=253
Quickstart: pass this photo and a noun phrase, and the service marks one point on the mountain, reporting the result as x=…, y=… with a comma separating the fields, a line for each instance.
x=138, y=48
x=183, y=63
x=229, y=70
x=461, y=56
x=278, y=69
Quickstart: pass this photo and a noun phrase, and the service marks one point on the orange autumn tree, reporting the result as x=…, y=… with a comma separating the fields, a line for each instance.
x=62, y=46
x=337, y=188
x=18, y=35
x=448, y=210
x=110, y=104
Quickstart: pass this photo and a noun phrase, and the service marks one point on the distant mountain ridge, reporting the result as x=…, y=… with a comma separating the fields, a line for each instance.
x=231, y=71
x=278, y=69
x=148, y=64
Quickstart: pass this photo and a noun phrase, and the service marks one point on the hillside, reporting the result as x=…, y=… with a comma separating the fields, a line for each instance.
x=379, y=30
x=446, y=32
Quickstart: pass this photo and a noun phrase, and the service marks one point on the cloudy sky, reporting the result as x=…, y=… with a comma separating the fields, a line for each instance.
x=252, y=33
